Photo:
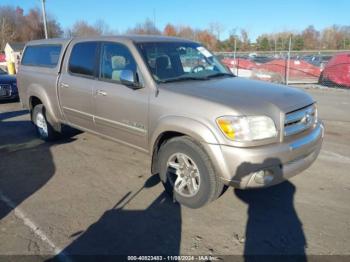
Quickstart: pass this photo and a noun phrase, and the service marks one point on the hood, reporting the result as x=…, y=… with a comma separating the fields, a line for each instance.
x=245, y=95
x=7, y=79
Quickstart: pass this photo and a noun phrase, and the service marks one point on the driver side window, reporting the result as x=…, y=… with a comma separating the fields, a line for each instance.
x=114, y=59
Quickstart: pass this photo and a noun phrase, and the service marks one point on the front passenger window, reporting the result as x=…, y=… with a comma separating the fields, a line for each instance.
x=114, y=59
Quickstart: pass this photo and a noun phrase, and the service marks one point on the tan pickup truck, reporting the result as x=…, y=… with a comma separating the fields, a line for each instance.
x=171, y=98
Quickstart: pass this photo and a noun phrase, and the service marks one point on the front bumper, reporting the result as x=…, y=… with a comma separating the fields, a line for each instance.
x=11, y=97
x=266, y=165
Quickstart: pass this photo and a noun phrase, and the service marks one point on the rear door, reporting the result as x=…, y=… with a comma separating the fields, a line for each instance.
x=121, y=112
x=76, y=84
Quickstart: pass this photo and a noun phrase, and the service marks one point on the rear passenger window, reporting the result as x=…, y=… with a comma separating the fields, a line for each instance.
x=41, y=55
x=83, y=58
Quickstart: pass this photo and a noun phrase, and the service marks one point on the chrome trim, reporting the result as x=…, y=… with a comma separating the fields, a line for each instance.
x=109, y=137
x=8, y=90
x=77, y=113
x=119, y=125
x=312, y=137
x=296, y=116
x=297, y=128
x=106, y=122
x=300, y=120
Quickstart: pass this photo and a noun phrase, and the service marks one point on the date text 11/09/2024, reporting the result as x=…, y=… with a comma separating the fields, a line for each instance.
x=173, y=258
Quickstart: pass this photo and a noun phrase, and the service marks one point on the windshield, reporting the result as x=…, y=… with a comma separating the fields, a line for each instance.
x=181, y=61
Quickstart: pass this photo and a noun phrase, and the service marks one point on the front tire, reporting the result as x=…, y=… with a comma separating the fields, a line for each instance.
x=187, y=173
x=43, y=127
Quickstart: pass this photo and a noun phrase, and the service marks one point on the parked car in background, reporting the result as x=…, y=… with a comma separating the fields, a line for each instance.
x=299, y=71
x=261, y=59
x=337, y=71
x=202, y=127
x=240, y=66
x=317, y=60
x=8, y=87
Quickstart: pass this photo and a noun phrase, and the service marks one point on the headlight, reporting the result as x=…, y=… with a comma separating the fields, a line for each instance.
x=247, y=128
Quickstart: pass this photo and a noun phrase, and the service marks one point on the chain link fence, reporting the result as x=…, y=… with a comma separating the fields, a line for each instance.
x=329, y=68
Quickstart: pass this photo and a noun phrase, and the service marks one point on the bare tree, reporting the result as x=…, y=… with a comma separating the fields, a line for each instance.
x=333, y=37
x=8, y=25
x=186, y=32
x=207, y=38
x=170, y=30
x=83, y=29
x=216, y=28
x=146, y=28
x=103, y=28
x=15, y=26
x=245, y=45
x=311, y=37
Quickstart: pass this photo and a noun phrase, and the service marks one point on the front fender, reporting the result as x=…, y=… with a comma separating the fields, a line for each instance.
x=196, y=130
x=184, y=125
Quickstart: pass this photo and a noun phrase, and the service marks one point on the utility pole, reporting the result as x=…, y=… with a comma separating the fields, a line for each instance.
x=235, y=49
x=44, y=18
x=234, y=56
x=288, y=60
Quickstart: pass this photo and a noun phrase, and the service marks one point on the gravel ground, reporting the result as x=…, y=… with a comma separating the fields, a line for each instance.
x=87, y=195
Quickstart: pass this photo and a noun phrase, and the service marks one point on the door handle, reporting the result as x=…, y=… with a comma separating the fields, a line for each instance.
x=101, y=93
x=64, y=85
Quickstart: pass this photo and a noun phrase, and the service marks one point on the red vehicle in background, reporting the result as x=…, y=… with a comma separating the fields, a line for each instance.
x=274, y=70
x=240, y=63
x=337, y=71
x=240, y=66
x=299, y=70
x=2, y=58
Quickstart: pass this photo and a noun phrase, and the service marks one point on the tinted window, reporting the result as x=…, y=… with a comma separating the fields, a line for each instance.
x=114, y=59
x=42, y=55
x=83, y=58
x=169, y=61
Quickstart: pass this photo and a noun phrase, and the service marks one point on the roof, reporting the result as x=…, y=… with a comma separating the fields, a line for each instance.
x=133, y=38
x=153, y=38
x=16, y=46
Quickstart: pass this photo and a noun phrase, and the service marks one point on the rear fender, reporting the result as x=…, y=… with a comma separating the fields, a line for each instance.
x=40, y=92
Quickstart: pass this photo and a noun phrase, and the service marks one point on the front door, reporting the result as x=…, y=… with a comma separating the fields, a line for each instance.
x=120, y=111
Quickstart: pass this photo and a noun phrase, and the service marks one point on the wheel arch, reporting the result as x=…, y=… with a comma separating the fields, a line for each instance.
x=37, y=95
x=175, y=126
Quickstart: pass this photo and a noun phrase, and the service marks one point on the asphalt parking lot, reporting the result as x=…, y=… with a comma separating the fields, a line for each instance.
x=87, y=195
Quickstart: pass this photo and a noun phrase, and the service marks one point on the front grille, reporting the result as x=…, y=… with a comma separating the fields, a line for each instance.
x=302, y=119
x=5, y=90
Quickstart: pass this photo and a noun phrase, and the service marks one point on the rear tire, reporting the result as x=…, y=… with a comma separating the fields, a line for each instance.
x=43, y=127
x=324, y=81
x=320, y=79
x=187, y=173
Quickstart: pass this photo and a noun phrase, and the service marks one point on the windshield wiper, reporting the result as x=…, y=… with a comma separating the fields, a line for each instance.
x=178, y=79
x=219, y=74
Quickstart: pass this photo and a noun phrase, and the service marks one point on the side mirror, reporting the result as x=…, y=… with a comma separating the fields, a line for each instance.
x=128, y=78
